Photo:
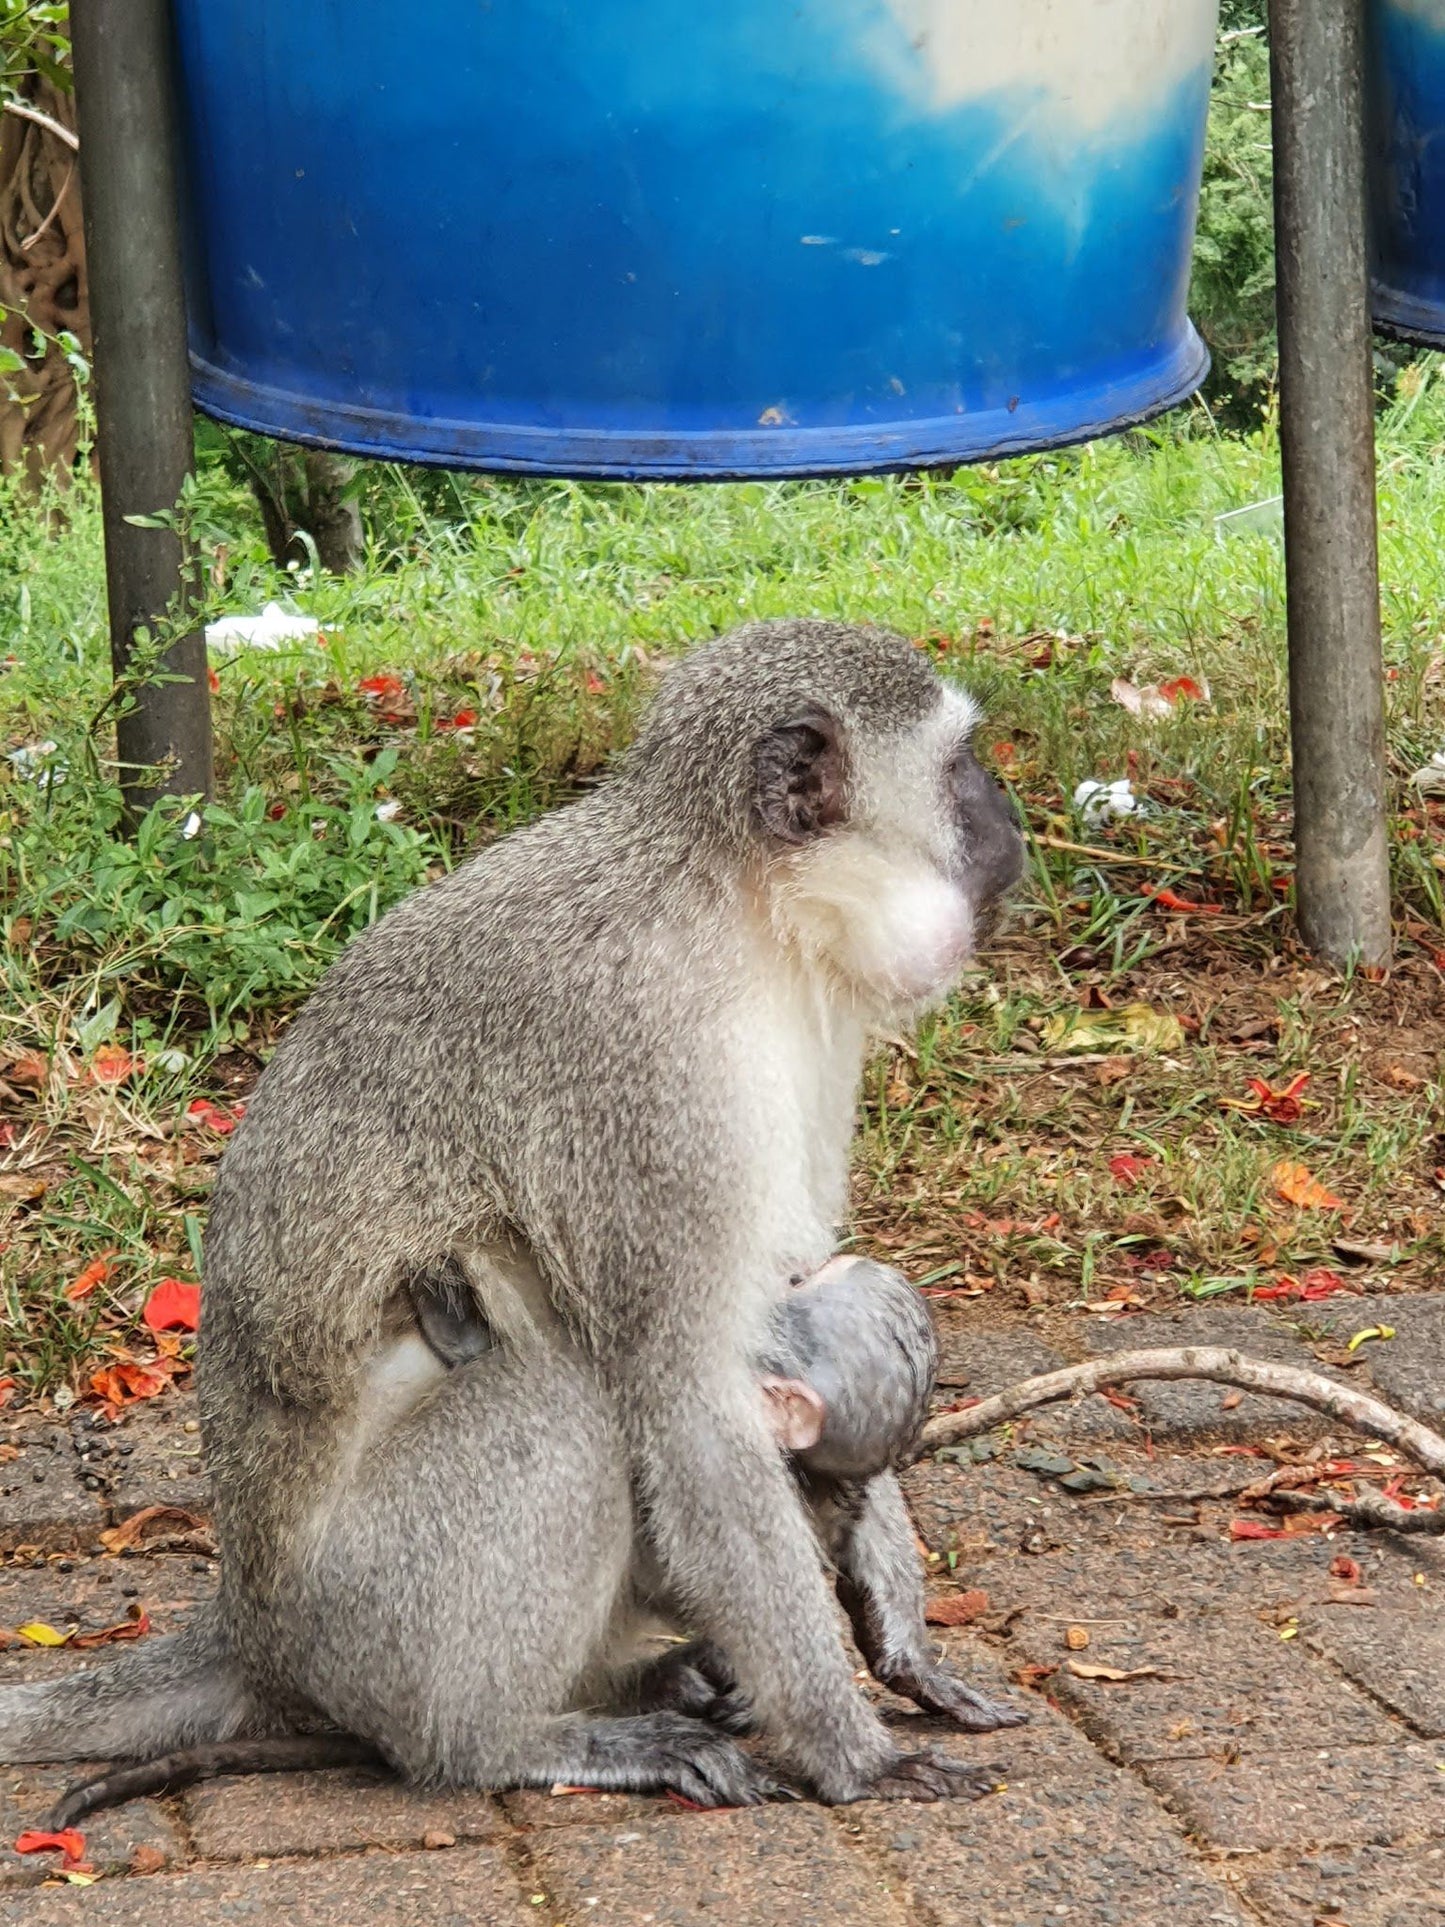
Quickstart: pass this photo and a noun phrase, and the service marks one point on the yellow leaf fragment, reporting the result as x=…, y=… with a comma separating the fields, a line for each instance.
x=1369, y=1334
x=1136, y=1028
x=39, y=1634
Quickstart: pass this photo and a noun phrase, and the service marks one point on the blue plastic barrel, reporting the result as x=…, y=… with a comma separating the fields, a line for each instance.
x=661, y=238
x=1406, y=134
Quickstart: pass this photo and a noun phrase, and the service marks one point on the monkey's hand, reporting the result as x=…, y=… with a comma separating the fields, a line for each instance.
x=936, y=1690
x=930, y=1775
x=698, y=1679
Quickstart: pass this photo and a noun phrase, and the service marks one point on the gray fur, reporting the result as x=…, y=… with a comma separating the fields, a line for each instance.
x=609, y=1067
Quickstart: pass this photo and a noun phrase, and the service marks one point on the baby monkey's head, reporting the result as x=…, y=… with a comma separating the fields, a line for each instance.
x=849, y=1368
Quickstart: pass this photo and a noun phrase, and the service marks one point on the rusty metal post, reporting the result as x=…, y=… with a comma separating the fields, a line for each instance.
x=1327, y=436
x=125, y=104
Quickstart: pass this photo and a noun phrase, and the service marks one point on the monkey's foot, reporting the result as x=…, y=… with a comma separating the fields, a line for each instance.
x=937, y=1691
x=929, y=1775
x=668, y=1752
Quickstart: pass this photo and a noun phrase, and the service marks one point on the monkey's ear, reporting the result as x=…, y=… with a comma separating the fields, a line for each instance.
x=801, y=776
x=795, y=1413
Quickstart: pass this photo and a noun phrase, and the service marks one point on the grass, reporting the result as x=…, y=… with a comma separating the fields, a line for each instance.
x=515, y=627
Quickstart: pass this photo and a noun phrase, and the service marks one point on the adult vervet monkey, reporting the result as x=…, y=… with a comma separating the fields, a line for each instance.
x=608, y=1068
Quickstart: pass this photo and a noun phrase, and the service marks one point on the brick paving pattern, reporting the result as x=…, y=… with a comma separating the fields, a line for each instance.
x=1278, y=1762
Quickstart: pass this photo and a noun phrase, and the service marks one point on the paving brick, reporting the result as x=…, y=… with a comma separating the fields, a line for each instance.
x=1361, y=1887
x=1375, y=1794
x=153, y=1459
x=1181, y=1576
x=531, y=1811
x=1194, y=1411
x=43, y=1501
x=1398, y=1657
x=264, y=1817
x=770, y=1867
x=1090, y=1847
x=1409, y=1371
x=94, y=1594
x=983, y=1360
x=462, y=1887
x=112, y=1839
x=1228, y=1686
x=974, y=1512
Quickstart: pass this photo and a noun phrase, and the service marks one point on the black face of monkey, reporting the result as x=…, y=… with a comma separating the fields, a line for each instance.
x=988, y=829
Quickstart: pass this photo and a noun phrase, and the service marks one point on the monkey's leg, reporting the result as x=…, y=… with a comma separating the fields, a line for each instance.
x=460, y=1599
x=881, y=1591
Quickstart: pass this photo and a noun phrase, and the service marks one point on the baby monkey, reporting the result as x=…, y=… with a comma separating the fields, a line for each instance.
x=847, y=1373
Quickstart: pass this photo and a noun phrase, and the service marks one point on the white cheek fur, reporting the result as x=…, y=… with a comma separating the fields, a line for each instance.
x=890, y=923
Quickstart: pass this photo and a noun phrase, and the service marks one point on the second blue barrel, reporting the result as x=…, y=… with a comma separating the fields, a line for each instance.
x=655, y=238
x=1406, y=129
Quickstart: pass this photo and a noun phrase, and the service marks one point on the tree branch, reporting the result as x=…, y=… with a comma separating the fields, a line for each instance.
x=1225, y=1367
x=22, y=111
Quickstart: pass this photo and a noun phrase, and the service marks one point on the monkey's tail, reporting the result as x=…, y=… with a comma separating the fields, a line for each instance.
x=159, y=1695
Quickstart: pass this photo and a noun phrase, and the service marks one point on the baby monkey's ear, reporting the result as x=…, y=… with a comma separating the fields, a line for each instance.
x=795, y=1413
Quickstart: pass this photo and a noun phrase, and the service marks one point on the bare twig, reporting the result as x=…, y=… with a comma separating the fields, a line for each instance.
x=23, y=111
x=1226, y=1367
x=1368, y=1509
x=45, y=225
x=1051, y=842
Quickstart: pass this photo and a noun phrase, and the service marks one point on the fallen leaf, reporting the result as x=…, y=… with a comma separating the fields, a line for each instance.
x=1343, y=1567
x=1182, y=906
x=35, y=1632
x=1294, y=1527
x=1231, y=1401
x=1281, y=1106
x=1146, y=701
x=1112, y=1675
x=1032, y=1675
x=71, y=1843
x=1402, y=1079
x=1316, y=1284
x=1184, y=689
x=130, y=1531
x=146, y=1858
x=1369, y=1335
x=1136, y=1028
x=956, y=1609
x=1366, y=1253
x=1295, y=1185
x=212, y=1117
x=1076, y=1638
x=1128, y=1167
x=28, y=1068
x=174, y=1305
x=135, y=1626
x=111, y=1064
x=22, y=1187
x=434, y=1839
x=85, y=1282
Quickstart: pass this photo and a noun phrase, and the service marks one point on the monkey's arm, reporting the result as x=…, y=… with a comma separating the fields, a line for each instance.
x=881, y=1590
x=736, y=1549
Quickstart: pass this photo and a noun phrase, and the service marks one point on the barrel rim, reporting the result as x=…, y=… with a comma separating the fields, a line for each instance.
x=588, y=454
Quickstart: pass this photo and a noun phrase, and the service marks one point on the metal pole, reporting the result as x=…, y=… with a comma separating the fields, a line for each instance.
x=125, y=104
x=1327, y=437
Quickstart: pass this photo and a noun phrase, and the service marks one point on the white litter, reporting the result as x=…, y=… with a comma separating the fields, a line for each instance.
x=1102, y=803
x=33, y=762
x=388, y=812
x=272, y=629
x=1430, y=781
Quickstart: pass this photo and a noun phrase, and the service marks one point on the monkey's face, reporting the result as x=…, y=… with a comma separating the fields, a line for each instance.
x=896, y=848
